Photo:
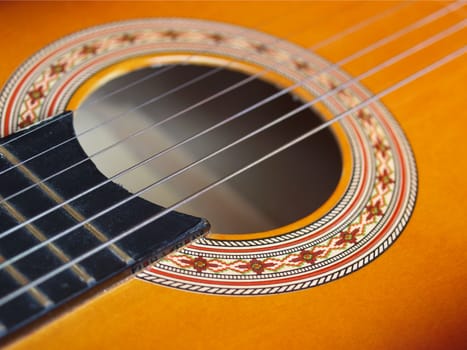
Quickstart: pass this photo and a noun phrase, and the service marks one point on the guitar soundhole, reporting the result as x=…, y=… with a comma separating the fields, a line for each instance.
x=277, y=192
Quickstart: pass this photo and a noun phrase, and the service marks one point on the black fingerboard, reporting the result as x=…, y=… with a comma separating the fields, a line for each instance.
x=146, y=244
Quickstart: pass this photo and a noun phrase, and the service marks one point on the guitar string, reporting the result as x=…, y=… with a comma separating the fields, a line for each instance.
x=45, y=122
x=289, y=36
x=145, y=129
x=316, y=46
x=311, y=132
x=366, y=74
x=362, y=76
x=172, y=175
x=320, y=44
x=58, y=237
x=322, y=97
x=196, y=105
x=226, y=120
x=122, y=114
x=430, y=18
x=361, y=25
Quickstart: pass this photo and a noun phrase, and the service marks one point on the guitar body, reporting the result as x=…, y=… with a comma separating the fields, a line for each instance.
x=411, y=297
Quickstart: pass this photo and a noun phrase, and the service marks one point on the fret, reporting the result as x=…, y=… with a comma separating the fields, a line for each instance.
x=68, y=208
x=22, y=280
x=53, y=248
x=30, y=305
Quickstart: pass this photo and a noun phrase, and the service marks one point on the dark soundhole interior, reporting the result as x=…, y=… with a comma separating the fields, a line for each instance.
x=277, y=192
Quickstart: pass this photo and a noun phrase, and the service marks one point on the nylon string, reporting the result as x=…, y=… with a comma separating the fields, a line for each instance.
x=366, y=74
x=377, y=44
x=165, y=69
x=403, y=82
x=392, y=37
x=124, y=234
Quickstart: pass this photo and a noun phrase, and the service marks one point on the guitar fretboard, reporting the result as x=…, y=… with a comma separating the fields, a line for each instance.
x=17, y=205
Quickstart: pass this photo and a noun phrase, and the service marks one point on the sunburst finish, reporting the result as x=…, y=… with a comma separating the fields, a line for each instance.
x=410, y=297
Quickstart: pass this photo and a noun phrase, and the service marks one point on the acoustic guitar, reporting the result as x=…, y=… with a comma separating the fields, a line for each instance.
x=233, y=175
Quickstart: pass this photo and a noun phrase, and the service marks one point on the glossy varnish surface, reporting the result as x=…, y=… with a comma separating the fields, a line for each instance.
x=413, y=296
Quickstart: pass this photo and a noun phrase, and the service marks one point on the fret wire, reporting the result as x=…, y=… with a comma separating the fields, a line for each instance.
x=357, y=54
x=22, y=280
x=119, y=237
x=61, y=203
x=460, y=25
x=430, y=18
x=52, y=247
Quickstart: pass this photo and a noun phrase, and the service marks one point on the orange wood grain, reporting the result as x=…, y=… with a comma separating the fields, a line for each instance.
x=412, y=297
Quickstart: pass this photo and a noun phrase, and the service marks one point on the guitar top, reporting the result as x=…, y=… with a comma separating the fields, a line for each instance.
x=350, y=237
